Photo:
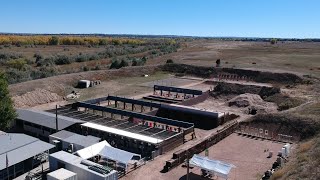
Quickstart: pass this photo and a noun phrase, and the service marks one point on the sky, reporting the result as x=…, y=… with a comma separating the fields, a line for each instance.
x=215, y=18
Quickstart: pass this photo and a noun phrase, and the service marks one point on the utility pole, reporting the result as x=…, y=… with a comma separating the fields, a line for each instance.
x=187, y=161
x=57, y=127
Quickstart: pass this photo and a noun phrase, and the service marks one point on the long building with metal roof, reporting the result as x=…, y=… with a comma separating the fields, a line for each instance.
x=18, y=153
x=41, y=124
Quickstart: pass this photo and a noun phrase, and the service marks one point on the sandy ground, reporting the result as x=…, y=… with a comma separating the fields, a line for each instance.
x=173, y=81
x=245, y=153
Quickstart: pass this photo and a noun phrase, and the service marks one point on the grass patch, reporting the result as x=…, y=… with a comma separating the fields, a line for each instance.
x=311, y=109
x=303, y=165
x=284, y=102
x=138, y=80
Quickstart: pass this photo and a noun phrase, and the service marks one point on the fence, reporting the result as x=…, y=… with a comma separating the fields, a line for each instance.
x=181, y=155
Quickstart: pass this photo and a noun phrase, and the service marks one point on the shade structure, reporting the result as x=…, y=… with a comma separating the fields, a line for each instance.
x=219, y=168
x=105, y=150
x=93, y=150
x=124, y=133
x=118, y=155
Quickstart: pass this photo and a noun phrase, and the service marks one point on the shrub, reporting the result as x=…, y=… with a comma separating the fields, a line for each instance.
x=285, y=102
x=169, y=61
x=38, y=57
x=273, y=41
x=123, y=63
x=62, y=59
x=81, y=58
x=114, y=64
x=97, y=67
x=54, y=40
x=16, y=76
x=85, y=68
x=43, y=72
x=17, y=63
x=8, y=56
x=94, y=57
x=46, y=62
x=218, y=62
x=134, y=63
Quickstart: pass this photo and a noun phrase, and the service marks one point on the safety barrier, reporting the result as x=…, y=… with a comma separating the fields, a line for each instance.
x=181, y=155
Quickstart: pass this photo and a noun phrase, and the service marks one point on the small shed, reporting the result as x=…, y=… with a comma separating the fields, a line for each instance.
x=83, y=84
x=62, y=174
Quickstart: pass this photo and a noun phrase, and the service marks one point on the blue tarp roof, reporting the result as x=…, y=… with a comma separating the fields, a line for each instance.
x=220, y=168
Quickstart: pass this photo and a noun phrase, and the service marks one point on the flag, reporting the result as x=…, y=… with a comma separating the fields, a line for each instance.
x=7, y=161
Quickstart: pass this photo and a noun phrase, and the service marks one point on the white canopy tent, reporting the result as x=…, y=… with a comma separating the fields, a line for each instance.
x=93, y=150
x=119, y=155
x=105, y=150
x=218, y=168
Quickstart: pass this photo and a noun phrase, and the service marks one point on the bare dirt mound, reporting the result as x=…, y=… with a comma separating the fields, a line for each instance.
x=35, y=97
x=258, y=76
x=254, y=103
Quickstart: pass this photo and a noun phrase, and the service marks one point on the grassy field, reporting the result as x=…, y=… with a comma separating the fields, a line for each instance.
x=298, y=57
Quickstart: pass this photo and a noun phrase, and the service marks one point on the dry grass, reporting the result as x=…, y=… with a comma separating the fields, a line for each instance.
x=298, y=57
x=304, y=164
x=285, y=102
x=304, y=147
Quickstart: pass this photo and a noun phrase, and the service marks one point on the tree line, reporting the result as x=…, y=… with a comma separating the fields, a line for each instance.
x=65, y=40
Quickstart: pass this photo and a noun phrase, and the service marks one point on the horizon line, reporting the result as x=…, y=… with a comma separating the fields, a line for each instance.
x=164, y=35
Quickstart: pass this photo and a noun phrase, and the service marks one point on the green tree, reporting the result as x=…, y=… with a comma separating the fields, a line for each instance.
x=54, y=40
x=134, y=62
x=218, y=62
x=7, y=111
x=114, y=64
x=273, y=41
x=123, y=63
x=169, y=61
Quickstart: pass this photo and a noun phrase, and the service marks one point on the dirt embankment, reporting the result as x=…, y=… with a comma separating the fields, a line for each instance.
x=36, y=97
x=258, y=76
x=255, y=104
x=224, y=88
x=52, y=89
x=304, y=126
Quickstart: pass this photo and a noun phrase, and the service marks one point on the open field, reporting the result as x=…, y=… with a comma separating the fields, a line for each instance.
x=297, y=57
